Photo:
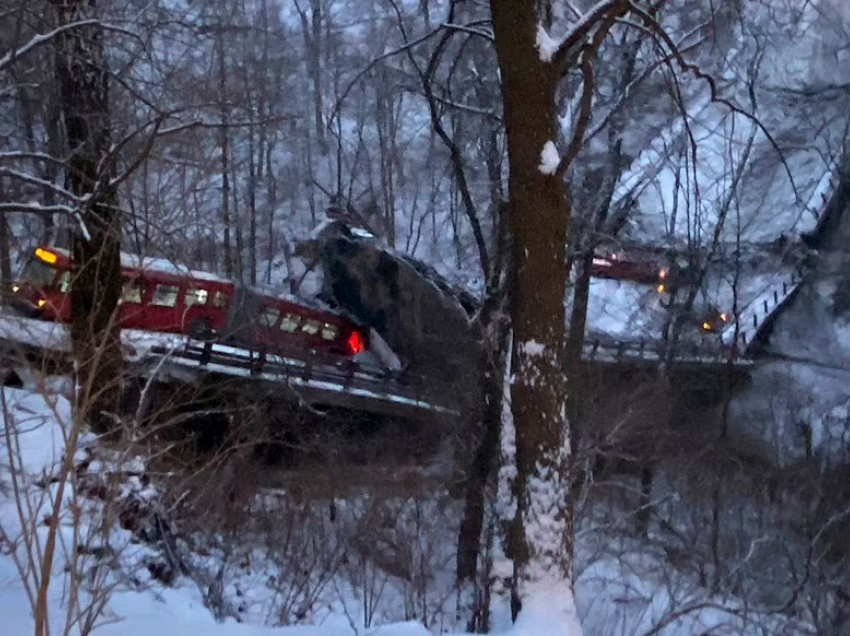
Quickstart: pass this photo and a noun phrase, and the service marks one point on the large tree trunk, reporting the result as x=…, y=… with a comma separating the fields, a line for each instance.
x=540, y=539
x=83, y=82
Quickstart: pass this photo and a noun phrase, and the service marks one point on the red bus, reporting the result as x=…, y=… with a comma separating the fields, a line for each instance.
x=161, y=296
x=618, y=268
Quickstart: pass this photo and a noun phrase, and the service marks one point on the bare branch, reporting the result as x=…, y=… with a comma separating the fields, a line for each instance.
x=470, y=29
x=41, y=183
x=582, y=28
x=35, y=208
x=652, y=23
x=41, y=39
x=588, y=59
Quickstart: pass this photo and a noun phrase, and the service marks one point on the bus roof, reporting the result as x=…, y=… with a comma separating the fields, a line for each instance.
x=146, y=264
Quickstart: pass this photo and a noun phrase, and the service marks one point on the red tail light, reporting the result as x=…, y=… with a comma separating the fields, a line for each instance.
x=355, y=342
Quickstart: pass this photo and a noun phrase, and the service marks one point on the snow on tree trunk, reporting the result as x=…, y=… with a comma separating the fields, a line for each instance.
x=83, y=82
x=540, y=538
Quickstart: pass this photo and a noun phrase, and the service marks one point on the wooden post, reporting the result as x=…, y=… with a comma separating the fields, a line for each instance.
x=206, y=354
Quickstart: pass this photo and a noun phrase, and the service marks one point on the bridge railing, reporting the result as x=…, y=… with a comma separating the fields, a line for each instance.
x=655, y=351
x=750, y=321
x=316, y=370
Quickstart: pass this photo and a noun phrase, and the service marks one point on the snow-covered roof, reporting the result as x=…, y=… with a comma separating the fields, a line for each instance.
x=155, y=264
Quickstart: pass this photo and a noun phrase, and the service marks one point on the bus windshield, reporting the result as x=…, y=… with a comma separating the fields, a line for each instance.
x=38, y=273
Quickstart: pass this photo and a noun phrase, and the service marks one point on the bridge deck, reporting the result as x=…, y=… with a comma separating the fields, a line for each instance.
x=321, y=379
x=314, y=378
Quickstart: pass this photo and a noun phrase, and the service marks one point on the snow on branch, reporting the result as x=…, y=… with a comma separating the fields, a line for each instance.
x=547, y=46
x=41, y=183
x=42, y=38
x=579, y=30
x=471, y=29
x=34, y=207
x=20, y=155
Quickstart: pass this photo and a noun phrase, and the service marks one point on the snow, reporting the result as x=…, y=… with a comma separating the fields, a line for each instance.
x=609, y=592
x=548, y=609
x=547, y=46
x=549, y=158
x=159, y=265
x=533, y=348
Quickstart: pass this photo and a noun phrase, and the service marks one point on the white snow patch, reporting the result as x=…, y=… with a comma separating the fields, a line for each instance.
x=533, y=348
x=608, y=593
x=549, y=608
x=547, y=46
x=549, y=158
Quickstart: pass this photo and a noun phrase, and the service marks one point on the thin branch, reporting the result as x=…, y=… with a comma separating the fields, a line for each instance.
x=35, y=208
x=588, y=59
x=21, y=155
x=426, y=77
x=41, y=39
x=41, y=183
x=582, y=28
x=686, y=66
x=474, y=110
x=467, y=28
x=404, y=48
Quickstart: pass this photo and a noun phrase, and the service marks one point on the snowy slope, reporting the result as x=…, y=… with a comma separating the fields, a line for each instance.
x=631, y=592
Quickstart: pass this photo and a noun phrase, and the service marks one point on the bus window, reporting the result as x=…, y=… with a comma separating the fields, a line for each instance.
x=290, y=323
x=131, y=293
x=269, y=317
x=165, y=295
x=196, y=297
x=311, y=327
x=329, y=332
x=220, y=300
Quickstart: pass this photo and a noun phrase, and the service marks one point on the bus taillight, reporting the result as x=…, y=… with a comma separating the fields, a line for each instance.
x=355, y=342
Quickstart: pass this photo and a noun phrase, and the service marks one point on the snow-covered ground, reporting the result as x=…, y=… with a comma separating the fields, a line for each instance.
x=631, y=591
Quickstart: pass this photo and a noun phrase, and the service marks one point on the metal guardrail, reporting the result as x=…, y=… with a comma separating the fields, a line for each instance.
x=653, y=351
x=315, y=371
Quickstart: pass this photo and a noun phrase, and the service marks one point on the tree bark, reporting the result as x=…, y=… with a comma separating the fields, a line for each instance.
x=540, y=538
x=225, y=155
x=495, y=334
x=5, y=252
x=83, y=82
